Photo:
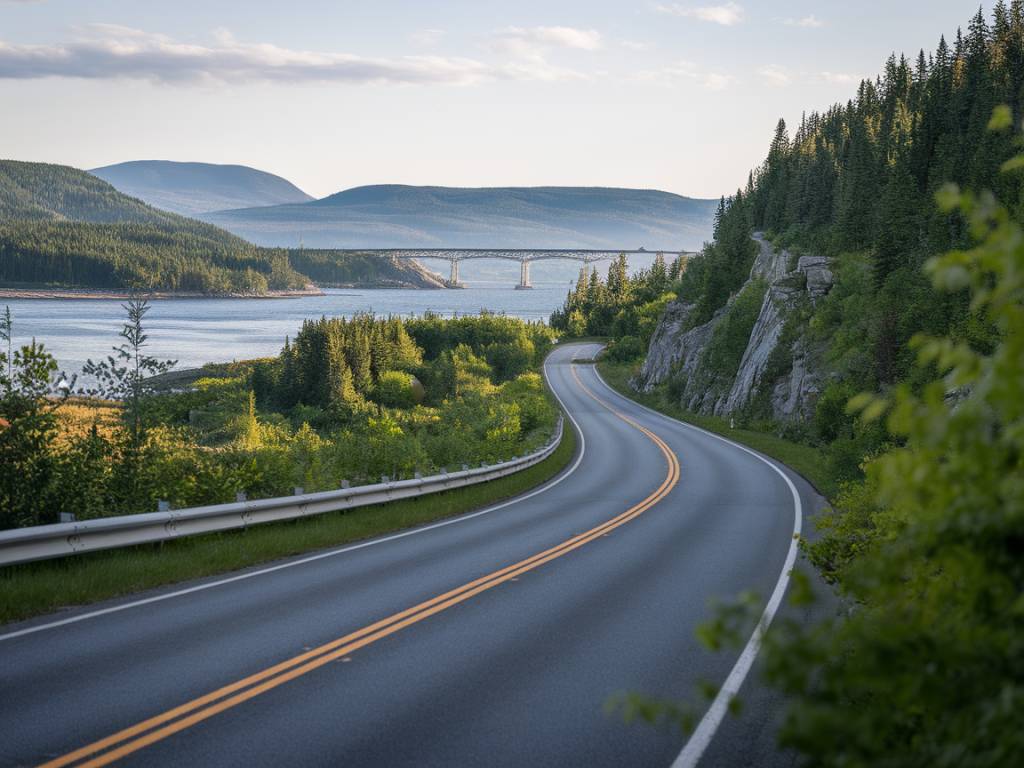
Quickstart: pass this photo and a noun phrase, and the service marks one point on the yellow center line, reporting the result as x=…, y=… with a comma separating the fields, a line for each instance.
x=210, y=704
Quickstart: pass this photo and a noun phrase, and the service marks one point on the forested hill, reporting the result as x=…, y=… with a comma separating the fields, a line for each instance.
x=782, y=330
x=191, y=188
x=398, y=216
x=858, y=183
x=893, y=216
x=62, y=227
x=46, y=192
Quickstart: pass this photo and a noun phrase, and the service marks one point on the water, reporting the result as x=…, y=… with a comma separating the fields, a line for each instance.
x=197, y=331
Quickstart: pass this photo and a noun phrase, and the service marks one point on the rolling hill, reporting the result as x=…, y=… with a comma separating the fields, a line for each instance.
x=62, y=227
x=45, y=192
x=191, y=188
x=398, y=216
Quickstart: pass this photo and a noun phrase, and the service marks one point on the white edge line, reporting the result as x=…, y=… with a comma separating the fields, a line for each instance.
x=332, y=553
x=701, y=737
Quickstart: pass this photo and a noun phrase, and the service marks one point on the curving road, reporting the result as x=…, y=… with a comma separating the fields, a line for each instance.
x=492, y=639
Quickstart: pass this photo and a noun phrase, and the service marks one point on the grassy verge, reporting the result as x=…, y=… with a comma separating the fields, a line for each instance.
x=804, y=459
x=35, y=588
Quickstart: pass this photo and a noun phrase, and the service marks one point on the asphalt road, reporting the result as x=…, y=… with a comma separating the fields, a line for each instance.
x=495, y=639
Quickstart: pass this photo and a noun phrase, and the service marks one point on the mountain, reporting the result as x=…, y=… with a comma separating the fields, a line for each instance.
x=191, y=188
x=62, y=227
x=398, y=216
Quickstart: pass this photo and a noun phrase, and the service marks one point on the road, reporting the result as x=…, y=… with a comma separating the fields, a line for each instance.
x=492, y=639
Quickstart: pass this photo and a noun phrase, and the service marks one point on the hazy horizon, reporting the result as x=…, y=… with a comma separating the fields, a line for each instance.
x=678, y=97
x=398, y=183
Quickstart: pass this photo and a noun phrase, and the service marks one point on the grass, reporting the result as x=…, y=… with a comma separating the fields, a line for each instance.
x=804, y=459
x=36, y=588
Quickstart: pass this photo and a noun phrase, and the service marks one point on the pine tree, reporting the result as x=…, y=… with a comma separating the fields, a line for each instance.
x=618, y=278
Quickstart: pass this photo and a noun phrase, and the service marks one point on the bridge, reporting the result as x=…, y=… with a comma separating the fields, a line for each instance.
x=525, y=256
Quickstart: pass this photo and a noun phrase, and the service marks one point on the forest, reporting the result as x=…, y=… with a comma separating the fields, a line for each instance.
x=330, y=268
x=346, y=400
x=858, y=183
x=913, y=190
x=624, y=307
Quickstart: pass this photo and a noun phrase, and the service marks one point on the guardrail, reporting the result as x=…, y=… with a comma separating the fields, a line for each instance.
x=42, y=542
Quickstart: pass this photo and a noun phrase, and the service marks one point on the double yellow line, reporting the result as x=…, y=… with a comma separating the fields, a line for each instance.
x=175, y=720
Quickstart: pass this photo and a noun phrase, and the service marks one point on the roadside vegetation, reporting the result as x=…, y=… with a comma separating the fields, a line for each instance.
x=920, y=428
x=623, y=309
x=348, y=400
x=803, y=458
x=36, y=588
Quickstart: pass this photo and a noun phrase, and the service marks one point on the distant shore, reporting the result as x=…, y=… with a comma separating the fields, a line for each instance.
x=90, y=293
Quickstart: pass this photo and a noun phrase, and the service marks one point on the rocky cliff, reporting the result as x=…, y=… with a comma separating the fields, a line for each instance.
x=779, y=375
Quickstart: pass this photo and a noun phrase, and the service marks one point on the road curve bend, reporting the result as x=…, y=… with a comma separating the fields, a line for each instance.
x=494, y=638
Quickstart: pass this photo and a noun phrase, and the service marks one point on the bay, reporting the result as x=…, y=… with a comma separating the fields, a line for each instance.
x=197, y=331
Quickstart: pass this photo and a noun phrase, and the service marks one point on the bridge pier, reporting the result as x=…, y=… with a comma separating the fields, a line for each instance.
x=453, y=280
x=524, y=276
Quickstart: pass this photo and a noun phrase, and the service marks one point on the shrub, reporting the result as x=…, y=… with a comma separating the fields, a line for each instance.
x=395, y=390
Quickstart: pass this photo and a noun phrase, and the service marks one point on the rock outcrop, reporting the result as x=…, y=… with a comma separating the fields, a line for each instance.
x=677, y=351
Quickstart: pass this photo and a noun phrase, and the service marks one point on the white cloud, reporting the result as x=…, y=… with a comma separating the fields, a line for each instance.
x=687, y=71
x=568, y=37
x=529, y=49
x=727, y=15
x=635, y=45
x=841, y=78
x=106, y=51
x=533, y=39
x=807, y=22
x=775, y=75
x=716, y=81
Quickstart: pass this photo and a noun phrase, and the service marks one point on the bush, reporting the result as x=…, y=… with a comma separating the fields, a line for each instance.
x=394, y=390
x=626, y=349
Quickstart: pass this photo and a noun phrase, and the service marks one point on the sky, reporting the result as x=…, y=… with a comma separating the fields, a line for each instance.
x=333, y=94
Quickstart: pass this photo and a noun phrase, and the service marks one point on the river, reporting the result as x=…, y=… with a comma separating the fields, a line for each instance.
x=197, y=331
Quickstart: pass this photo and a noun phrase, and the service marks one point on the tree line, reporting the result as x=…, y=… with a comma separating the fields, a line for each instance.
x=858, y=182
x=623, y=306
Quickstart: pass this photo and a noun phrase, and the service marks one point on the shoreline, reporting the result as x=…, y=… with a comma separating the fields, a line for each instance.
x=95, y=294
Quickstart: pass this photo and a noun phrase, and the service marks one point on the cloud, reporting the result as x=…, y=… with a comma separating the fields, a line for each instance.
x=807, y=22
x=775, y=75
x=841, y=78
x=521, y=39
x=530, y=47
x=105, y=51
x=716, y=81
x=727, y=15
x=687, y=71
x=635, y=45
